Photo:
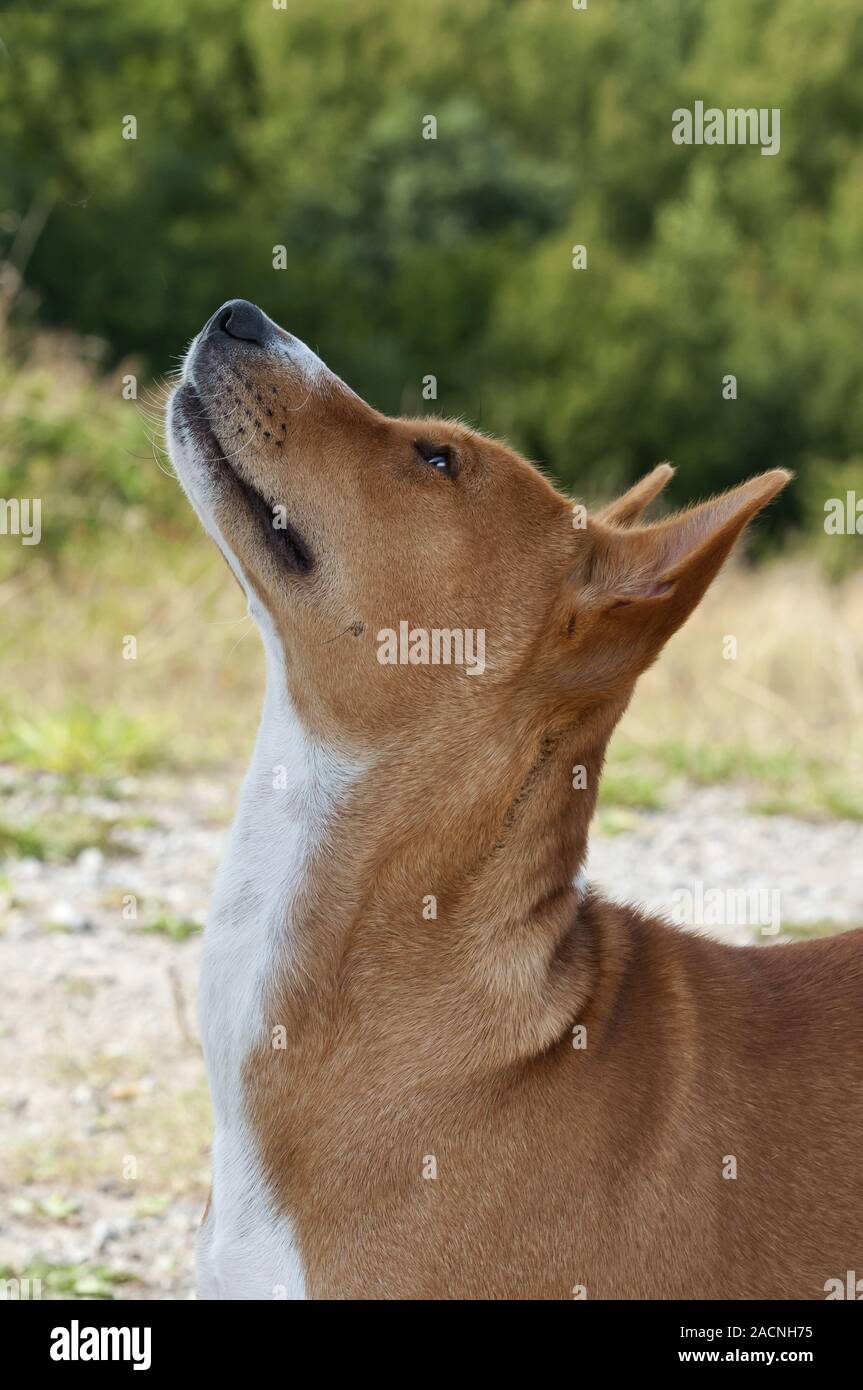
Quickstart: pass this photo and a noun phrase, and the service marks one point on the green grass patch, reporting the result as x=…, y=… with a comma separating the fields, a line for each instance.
x=615, y=820
x=56, y=1207
x=632, y=781
x=815, y=931
x=80, y=988
x=71, y=1281
x=167, y=1130
x=822, y=795
x=61, y=837
x=174, y=928
x=779, y=781
x=81, y=741
x=154, y=1205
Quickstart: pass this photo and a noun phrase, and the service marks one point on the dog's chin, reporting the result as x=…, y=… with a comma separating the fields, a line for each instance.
x=190, y=435
x=212, y=481
x=194, y=451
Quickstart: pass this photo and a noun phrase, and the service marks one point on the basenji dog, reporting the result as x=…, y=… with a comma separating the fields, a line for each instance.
x=441, y=1065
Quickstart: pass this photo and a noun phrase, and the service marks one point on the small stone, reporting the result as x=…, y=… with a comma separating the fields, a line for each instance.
x=100, y=1234
x=67, y=917
x=90, y=861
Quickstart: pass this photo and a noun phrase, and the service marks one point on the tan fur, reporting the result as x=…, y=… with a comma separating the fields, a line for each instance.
x=557, y=1166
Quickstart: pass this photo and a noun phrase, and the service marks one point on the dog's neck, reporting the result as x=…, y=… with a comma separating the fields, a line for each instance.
x=445, y=875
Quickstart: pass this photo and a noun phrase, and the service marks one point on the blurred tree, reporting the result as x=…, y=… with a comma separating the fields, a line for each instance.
x=452, y=256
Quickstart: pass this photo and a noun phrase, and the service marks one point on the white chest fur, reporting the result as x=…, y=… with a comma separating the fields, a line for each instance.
x=246, y=1249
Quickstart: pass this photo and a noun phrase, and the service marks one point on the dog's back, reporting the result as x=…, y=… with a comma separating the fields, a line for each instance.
x=725, y=1085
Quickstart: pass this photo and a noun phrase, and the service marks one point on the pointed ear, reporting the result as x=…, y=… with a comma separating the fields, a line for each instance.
x=631, y=504
x=635, y=587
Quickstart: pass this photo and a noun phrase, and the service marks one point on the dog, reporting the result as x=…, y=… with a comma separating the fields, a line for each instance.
x=441, y=1065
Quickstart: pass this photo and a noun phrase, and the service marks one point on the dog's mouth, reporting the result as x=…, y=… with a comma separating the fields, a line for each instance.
x=282, y=538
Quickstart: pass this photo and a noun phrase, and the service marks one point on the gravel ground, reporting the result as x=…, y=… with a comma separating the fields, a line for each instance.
x=103, y=1108
x=708, y=839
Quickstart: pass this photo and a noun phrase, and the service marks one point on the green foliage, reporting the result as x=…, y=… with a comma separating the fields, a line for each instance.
x=303, y=127
x=79, y=740
x=60, y=837
x=71, y=1280
x=780, y=780
x=174, y=928
x=808, y=931
x=68, y=438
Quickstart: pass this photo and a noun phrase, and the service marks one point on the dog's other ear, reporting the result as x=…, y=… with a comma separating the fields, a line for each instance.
x=632, y=588
x=629, y=506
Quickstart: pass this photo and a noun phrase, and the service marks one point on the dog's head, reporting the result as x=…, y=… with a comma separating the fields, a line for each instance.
x=406, y=567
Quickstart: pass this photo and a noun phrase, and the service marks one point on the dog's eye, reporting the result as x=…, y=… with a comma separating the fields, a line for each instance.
x=438, y=456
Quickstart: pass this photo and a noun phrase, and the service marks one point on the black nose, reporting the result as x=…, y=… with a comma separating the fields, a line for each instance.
x=240, y=319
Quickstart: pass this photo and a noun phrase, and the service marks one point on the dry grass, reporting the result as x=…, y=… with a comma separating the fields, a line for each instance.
x=784, y=716
x=189, y=697
x=122, y=556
